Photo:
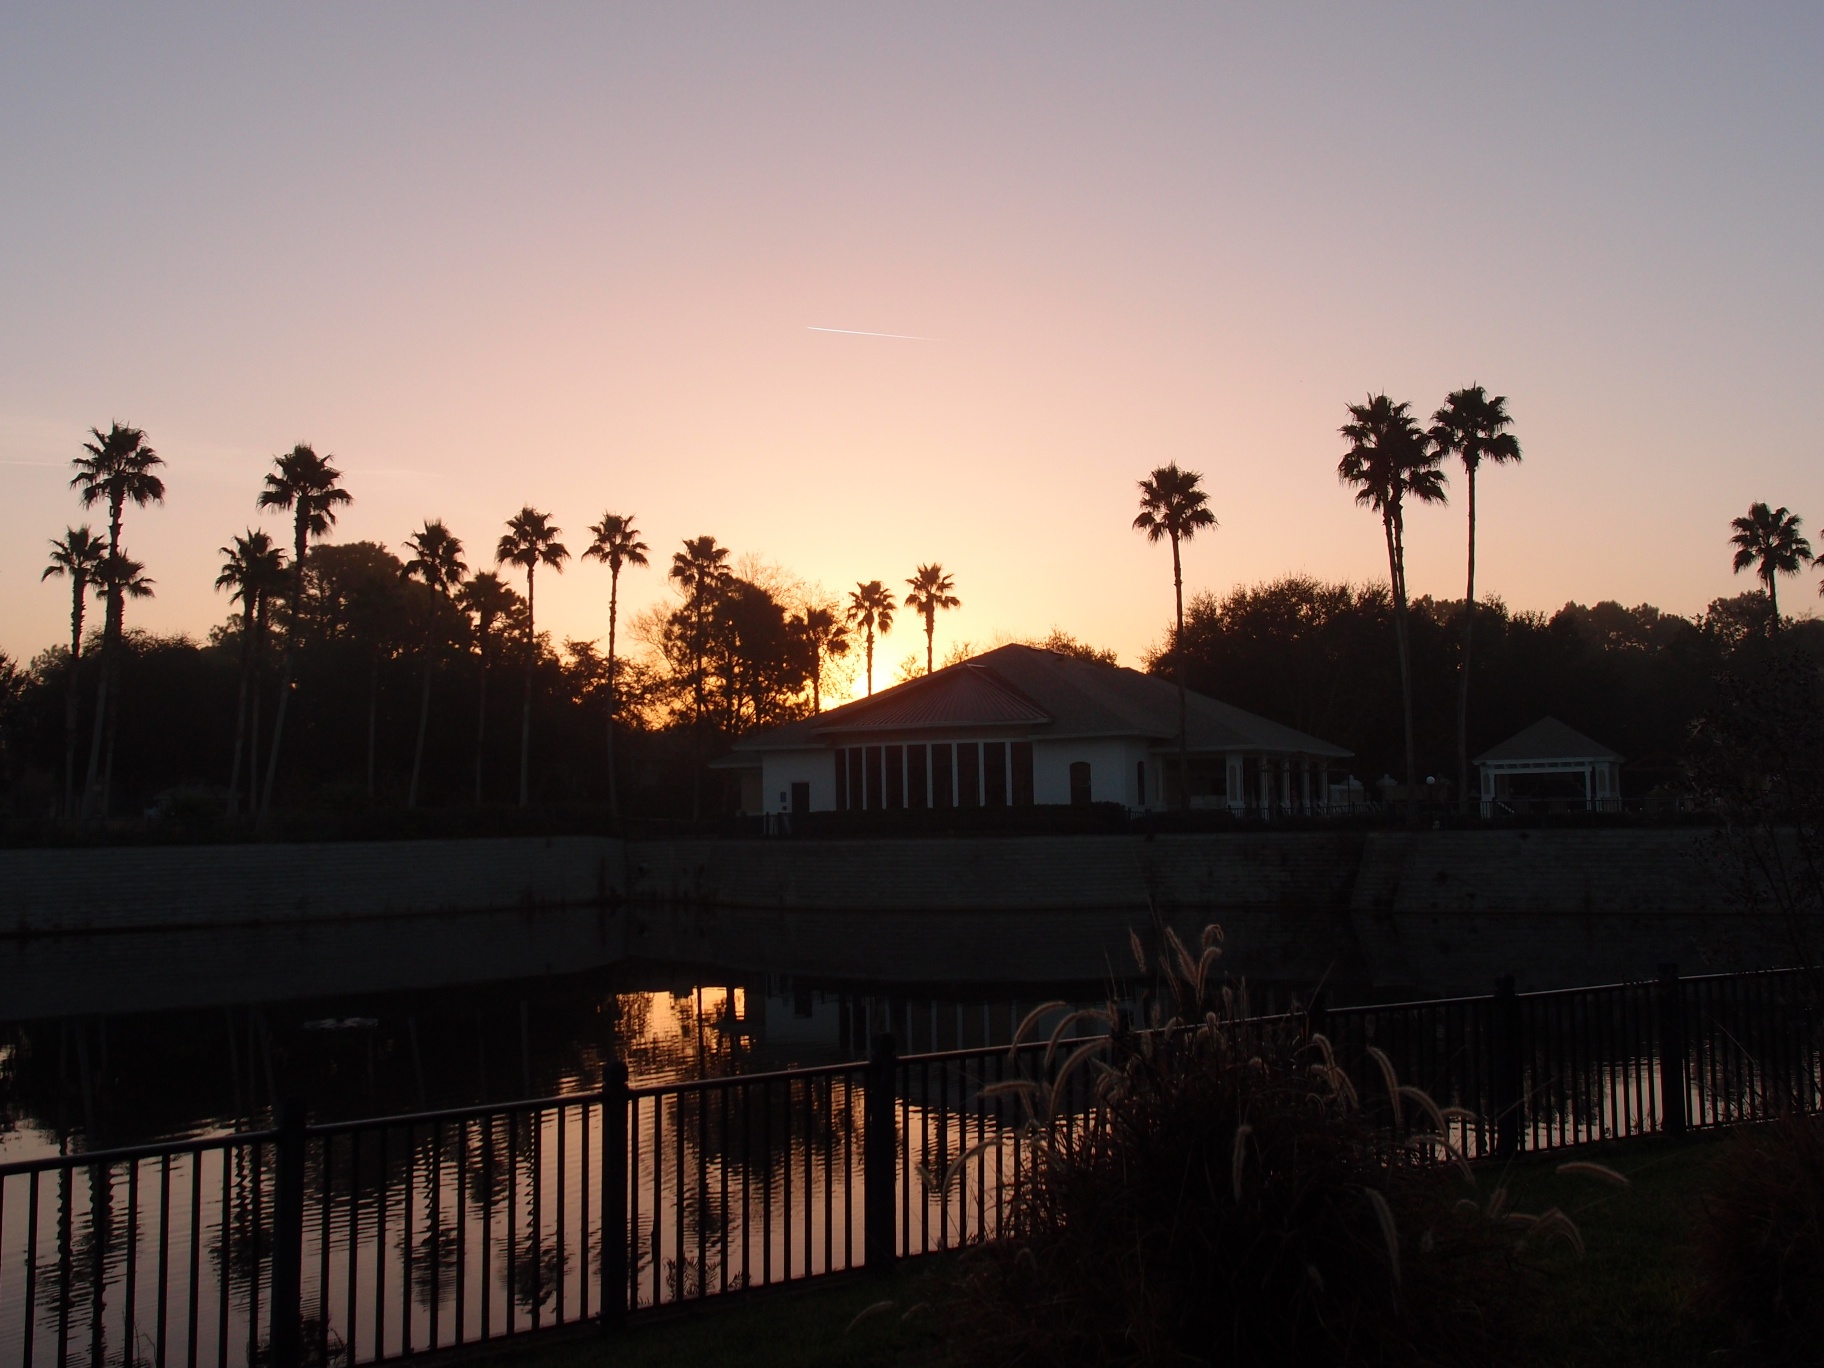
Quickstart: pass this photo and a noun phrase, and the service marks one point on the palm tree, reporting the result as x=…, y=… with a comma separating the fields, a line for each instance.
x=308, y=487
x=77, y=556
x=617, y=544
x=253, y=571
x=1390, y=460
x=928, y=594
x=488, y=599
x=826, y=635
x=117, y=469
x=1173, y=505
x=529, y=542
x=700, y=571
x=1474, y=428
x=871, y=610
x=122, y=578
x=437, y=563
x=1769, y=540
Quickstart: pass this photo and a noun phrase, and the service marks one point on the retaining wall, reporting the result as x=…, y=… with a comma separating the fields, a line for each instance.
x=1429, y=911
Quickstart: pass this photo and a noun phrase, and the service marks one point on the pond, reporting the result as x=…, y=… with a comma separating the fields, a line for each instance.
x=119, y=1041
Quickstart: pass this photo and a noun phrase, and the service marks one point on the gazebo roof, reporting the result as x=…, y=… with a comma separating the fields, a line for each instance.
x=1547, y=739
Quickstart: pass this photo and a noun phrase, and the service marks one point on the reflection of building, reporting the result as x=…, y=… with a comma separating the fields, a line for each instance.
x=1549, y=766
x=1021, y=726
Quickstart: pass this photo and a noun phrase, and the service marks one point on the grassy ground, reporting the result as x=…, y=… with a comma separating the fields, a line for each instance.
x=812, y=1328
x=1627, y=1300
x=1630, y=1297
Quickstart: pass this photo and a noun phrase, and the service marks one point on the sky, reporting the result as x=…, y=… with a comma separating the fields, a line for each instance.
x=579, y=256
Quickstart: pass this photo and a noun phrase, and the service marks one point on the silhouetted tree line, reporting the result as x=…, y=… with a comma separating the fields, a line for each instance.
x=372, y=643
x=335, y=636
x=1314, y=656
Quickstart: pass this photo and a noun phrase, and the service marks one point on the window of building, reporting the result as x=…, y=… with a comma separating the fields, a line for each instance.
x=801, y=797
x=874, y=784
x=1022, y=774
x=1140, y=781
x=1079, y=783
x=994, y=774
x=896, y=776
x=915, y=777
x=842, y=780
x=855, y=779
x=943, y=790
x=968, y=775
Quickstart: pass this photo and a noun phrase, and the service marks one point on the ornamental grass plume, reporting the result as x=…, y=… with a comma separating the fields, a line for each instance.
x=1226, y=1201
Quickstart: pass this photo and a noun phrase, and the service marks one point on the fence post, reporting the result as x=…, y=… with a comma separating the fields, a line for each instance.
x=1317, y=1015
x=880, y=1154
x=1670, y=1010
x=287, y=1297
x=1504, y=1067
x=614, y=1194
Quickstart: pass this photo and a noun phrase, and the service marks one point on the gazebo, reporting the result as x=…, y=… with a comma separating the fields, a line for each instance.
x=1549, y=767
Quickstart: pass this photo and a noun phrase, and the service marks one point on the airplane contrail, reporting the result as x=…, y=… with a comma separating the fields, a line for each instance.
x=858, y=332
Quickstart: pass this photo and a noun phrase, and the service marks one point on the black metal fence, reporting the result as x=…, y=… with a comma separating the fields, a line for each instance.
x=366, y=1241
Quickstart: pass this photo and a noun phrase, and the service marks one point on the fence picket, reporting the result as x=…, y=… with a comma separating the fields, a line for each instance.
x=773, y=1158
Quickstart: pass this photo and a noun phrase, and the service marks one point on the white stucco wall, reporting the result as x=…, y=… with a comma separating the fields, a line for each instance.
x=781, y=769
x=1112, y=774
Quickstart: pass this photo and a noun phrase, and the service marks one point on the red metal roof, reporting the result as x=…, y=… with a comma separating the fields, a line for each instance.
x=965, y=696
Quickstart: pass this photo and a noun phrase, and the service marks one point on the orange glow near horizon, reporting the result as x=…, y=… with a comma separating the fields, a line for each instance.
x=856, y=291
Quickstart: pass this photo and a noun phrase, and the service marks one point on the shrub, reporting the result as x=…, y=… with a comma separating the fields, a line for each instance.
x=1227, y=1202
x=1761, y=1239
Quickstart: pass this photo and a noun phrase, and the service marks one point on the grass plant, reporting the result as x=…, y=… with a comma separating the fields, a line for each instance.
x=1634, y=1296
x=1230, y=1202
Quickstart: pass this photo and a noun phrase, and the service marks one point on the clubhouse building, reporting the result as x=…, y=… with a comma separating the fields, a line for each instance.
x=1021, y=726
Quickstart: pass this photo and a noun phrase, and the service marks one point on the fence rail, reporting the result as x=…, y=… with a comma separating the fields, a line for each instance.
x=366, y=1241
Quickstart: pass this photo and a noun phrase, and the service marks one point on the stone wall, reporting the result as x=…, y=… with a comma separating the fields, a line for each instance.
x=1424, y=911
x=146, y=888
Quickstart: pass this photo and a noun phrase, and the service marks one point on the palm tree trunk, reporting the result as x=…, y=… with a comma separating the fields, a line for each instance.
x=614, y=600
x=481, y=724
x=110, y=640
x=1396, y=564
x=1773, y=606
x=240, y=713
x=373, y=710
x=278, y=736
x=253, y=750
x=870, y=662
x=240, y=745
x=69, y=743
x=424, y=714
x=107, y=767
x=300, y=546
x=1469, y=624
x=696, y=721
x=525, y=712
x=1184, y=740
x=930, y=631
x=70, y=705
x=109, y=633
x=816, y=678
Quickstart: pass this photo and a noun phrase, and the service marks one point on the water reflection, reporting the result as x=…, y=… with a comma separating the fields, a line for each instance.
x=101, y=1081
